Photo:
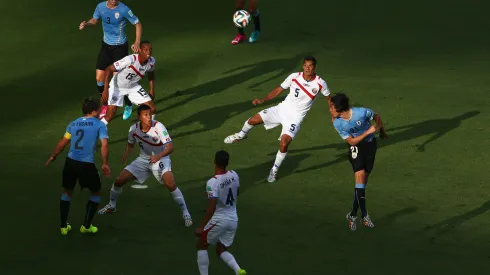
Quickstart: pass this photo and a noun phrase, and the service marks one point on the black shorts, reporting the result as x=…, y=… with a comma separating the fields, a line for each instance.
x=362, y=156
x=85, y=172
x=109, y=54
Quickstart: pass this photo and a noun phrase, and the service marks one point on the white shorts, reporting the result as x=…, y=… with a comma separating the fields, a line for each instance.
x=275, y=116
x=222, y=231
x=141, y=169
x=136, y=94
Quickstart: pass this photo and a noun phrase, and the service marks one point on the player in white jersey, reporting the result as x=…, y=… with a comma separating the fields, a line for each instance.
x=130, y=70
x=155, y=149
x=220, y=222
x=303, y=90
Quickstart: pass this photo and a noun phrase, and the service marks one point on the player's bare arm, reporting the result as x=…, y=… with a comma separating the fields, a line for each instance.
x=104, y=152
x=273, y=94
x=129, y=149
x=380, y=126
x=57, y=150
x=139, y=30
x=91, y=22
x=353, y=141
x=169, y=148
x=108, y=72
x=151, y=79
x=209, y=214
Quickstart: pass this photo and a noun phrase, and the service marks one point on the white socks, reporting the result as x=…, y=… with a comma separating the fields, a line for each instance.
x=203, y=261
x=246, y=127
x=230, y=261
x=179, y=199
x=105, y=121
x=279, y=158
x=115, y=192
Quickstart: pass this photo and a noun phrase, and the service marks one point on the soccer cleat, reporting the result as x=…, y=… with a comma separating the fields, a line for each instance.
x=352, y=222
x=367, y=222
x=92, y=229
x=107, y=209
x=272, y=176
x=254, y=37
x=103, y=111
x=187, y=220
x=234, y=138
x=242, y=272
x=65, y=230
x=239, y=38
x=127, y=112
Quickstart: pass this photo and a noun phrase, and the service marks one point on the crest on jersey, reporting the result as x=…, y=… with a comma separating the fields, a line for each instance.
x=116, y=15
x=155, y=139
x=358, y=123
x=315, y=90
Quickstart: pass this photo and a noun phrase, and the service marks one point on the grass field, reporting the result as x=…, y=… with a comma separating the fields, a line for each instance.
x=423, y=65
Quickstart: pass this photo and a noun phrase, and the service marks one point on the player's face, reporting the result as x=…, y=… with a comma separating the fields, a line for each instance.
x=308, y=68
x=332, y=110
x=113, y=2
x=145, y=117
x=146, y=51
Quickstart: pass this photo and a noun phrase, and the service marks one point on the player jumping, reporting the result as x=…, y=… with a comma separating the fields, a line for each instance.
x=114, y=16
x=79, y=164
x=130, y=70
x=252, y=8
x=220, y=222
x=354, y=126
x=303, y=90
x=155, y=149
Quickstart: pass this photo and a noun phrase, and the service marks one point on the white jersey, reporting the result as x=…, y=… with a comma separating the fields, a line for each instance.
x=152, y=142
x=302, y=93
x=130, y=71
x=224, y=188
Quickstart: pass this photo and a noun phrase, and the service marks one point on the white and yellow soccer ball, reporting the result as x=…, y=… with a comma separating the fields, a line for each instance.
x=241, y=18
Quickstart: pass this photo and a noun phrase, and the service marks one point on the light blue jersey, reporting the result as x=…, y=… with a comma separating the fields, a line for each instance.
x=114, y=22
x=356, y=125
x=84, y=133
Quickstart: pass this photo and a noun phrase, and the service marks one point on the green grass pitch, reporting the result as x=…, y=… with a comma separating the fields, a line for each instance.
x=423, y=65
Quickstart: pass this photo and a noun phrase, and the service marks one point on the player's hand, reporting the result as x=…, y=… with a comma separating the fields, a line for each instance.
x=82, y=25
x=155, y=159
x=371, y=130
x=199, y=232
x=106, y=170
x=383, y=134
x=50, y=160
x=135, y=47
x=257, y=101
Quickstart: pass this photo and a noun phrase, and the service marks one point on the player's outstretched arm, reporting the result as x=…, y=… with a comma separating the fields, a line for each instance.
x=104, y=152
x=91, y=22
x=353, y=141
x=273, y=94
x=169, y=148
x=380, y=126
x=151, y=79
x=139, y=30
x=58, y=149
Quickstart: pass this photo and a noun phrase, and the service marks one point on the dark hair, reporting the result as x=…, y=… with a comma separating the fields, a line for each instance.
x=341, y=102
x=89, y=105
x=143, y=107
x=310, y=58
x=221, y=158
x=144, y=42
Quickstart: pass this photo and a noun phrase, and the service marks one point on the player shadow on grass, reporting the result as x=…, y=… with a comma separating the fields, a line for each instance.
x=437, y=128
x=392, y=217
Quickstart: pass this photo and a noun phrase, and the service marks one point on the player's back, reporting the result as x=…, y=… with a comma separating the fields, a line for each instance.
x=84, y=133
x=225, y=188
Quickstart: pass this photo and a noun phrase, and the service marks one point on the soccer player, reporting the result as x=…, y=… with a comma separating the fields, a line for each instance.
x=79, y=164
x=303, y=90
x=114, y=16
x=252, y=7
x=220, y=222
x=155, y=149
x=354, y=126
x=130, y=70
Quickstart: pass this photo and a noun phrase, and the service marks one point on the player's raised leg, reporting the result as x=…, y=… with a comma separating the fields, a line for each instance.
x=247, y=126
x=240, y=37
x=254, y=11
x=124, y=177
x=169, y=181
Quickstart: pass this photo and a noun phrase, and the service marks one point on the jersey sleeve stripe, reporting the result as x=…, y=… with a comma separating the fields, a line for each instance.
x=320, y=87
x=136, y=71
x=304, y=90
x=145, y=141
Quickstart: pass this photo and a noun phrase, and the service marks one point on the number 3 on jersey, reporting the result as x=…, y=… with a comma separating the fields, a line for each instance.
x=230, y=199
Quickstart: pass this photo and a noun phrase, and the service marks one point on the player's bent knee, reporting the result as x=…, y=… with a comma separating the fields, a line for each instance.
x=220, y=248
x=256, y=119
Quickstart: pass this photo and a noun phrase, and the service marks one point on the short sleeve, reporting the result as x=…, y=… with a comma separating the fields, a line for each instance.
x=368, y=113
x=96, y=13
x=163, y=133
x=131, y=139
x=103, y=131
x=131, y=17
x=343, y=134
x=68, y=131
x=212, y=188
x=324, y=88
x=124, y=63
x=152, y=65
x=287, y=82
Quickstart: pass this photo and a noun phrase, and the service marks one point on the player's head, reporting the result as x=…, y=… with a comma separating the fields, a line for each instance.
x=90, y=107
x=339, y=103
x=145, y=50
x=144, y=114
x=221, y=159
x=309, y=65
x=113, y=2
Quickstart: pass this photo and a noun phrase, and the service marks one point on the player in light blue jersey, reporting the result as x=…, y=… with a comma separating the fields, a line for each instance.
x=114, y=16
x=354, y=126
x=79, y=164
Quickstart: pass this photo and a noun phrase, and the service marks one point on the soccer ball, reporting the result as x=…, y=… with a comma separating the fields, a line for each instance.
x=241, y=18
